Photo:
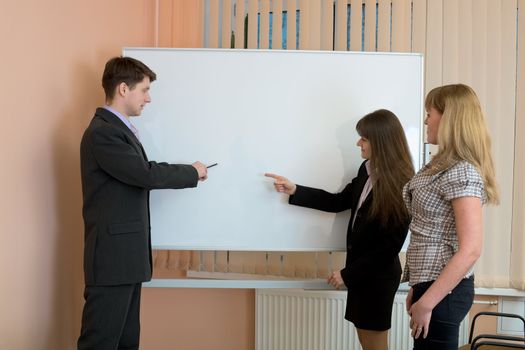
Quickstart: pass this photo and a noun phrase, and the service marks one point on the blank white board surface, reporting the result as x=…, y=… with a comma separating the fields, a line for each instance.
x=253, y=111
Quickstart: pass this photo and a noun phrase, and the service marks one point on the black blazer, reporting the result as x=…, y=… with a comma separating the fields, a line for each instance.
x=372, y=248
x=116, y=180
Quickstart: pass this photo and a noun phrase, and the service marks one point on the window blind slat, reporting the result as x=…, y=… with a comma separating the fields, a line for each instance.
x=370, y=25
x=277, y=31
x=517, y=263
x=253, y=9
x=291, y=29
x=239, y=24
x=314, y=28
x=265, y=24
x=383, y=25
x=356, y=25
x=401, y=25
x=327, y=25
x=419, y=25
x=479, y=48
x=304, y=24
x=340, y=22
x=226, y=23
x=451, y=33
x=434, y=52
x=465, y=36
x=500, y=103
x=213, y=24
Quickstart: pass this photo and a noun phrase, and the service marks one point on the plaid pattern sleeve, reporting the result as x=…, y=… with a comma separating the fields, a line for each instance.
x=433, y=236
x=462, y=180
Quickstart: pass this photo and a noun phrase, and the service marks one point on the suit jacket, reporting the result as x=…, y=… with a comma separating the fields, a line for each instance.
x=372, y=248
x=116, y=180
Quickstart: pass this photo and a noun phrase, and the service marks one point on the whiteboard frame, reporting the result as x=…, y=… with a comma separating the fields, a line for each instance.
x=418, y=158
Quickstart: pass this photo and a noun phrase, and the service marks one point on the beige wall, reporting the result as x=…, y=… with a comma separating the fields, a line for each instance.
x=52, y=53
x=194, y=319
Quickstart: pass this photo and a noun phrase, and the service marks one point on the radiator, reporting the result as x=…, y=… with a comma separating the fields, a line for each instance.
x=295, y=319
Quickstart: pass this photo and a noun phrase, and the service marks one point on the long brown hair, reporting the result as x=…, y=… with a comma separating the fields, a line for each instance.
x=390, y=164
x=462, y=134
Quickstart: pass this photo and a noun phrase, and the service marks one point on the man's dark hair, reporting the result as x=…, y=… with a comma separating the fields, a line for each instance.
x=124, y=70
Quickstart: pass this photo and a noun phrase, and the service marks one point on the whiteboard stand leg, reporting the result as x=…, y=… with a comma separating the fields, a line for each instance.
x=330, y=262
x=316, y=262
x=266, y=263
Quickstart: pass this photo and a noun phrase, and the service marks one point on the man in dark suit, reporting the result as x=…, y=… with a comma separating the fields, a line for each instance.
x=116, y=180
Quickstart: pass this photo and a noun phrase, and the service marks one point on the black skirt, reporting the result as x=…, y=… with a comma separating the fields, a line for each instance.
x=369, y=303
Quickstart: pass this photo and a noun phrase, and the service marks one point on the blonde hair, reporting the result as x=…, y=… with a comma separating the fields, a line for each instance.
x=462, y=134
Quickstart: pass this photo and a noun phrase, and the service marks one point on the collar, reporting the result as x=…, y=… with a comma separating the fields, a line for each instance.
x=125, y=120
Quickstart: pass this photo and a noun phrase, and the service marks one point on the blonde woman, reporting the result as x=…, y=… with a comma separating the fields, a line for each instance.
x=377, y=228
x=445, y=201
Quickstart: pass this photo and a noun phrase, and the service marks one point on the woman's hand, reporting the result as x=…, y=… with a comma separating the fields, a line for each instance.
x=419, y=318
x=335, y=279
x=282, y=184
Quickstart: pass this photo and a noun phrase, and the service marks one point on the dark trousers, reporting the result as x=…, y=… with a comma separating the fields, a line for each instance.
x=443, y=331
x=111, y=318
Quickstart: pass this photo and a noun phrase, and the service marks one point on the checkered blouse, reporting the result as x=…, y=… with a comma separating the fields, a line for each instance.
x=433, y=238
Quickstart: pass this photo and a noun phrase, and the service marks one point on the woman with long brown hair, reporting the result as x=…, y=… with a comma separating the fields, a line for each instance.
x=378, y=224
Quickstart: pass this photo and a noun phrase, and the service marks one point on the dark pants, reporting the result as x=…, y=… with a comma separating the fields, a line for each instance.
x=443, y=331
x=111, y=318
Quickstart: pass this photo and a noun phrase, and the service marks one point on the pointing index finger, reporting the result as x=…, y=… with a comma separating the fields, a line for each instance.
x=274, y=176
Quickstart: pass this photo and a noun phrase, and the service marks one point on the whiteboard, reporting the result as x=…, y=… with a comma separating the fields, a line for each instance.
x=254, y=111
